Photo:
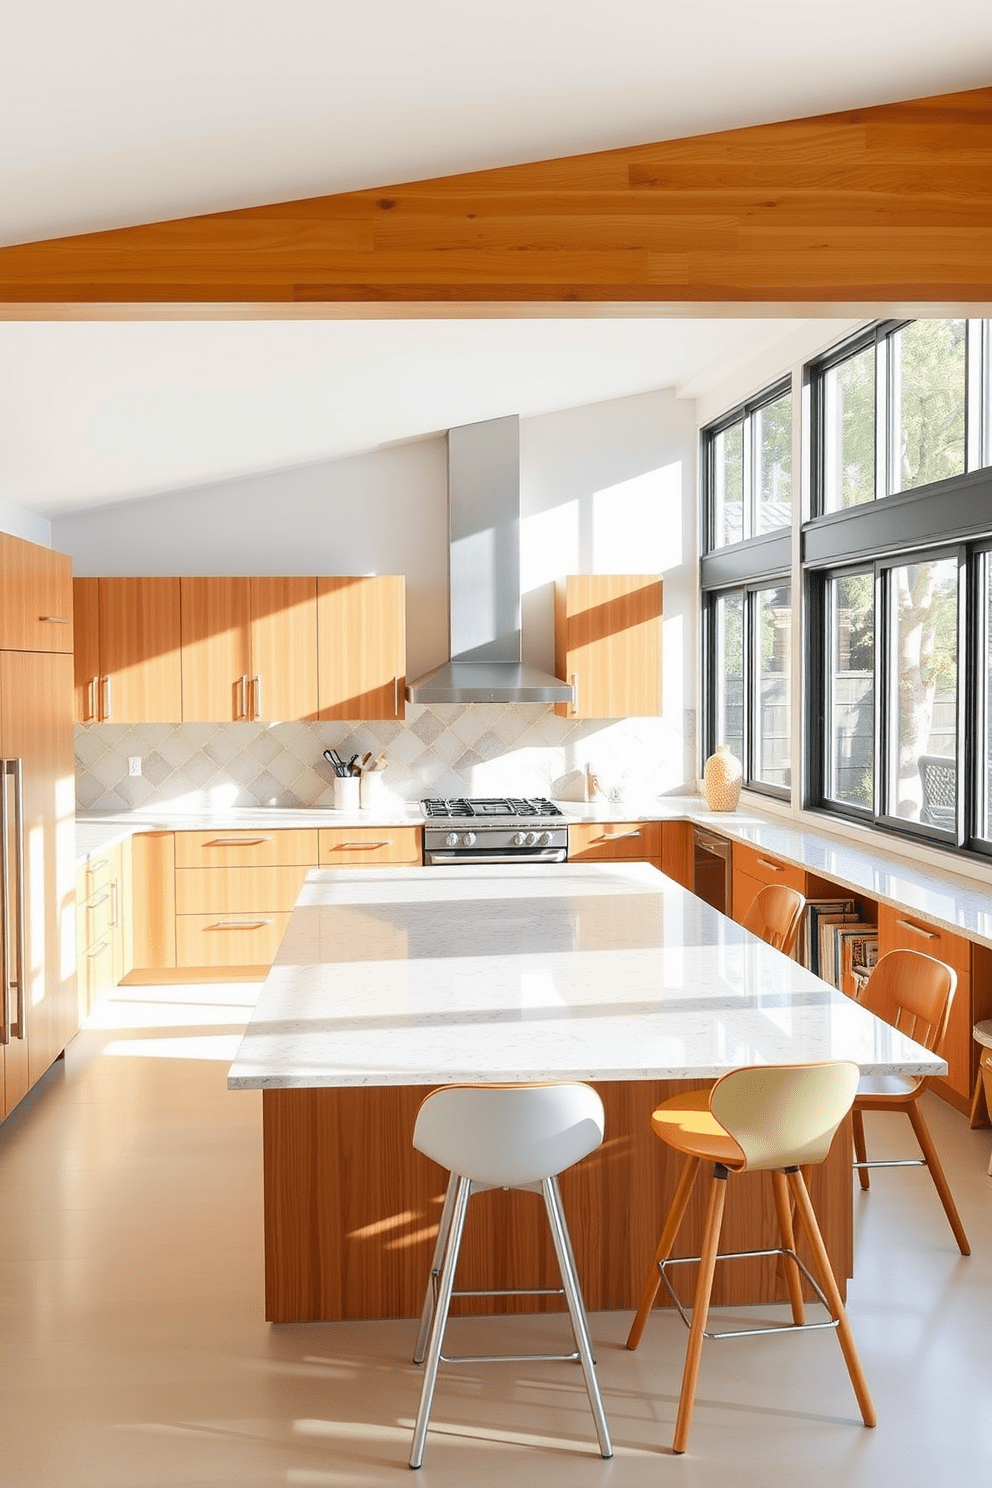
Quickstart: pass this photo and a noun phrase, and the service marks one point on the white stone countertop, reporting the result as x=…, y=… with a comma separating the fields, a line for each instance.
x=576, y=971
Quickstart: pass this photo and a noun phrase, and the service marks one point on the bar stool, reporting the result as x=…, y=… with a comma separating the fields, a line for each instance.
x=504, y=1136
x=775, y=1118
x=914, y=993
x=774, y=915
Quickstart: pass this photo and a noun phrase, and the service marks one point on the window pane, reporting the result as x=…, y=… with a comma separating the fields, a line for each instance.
x=772, y=436
x=849, y=432
x=928, y=396
x=852, y=690
x=729, y=668
x=728, y=486
x=922, y=777
x=772, y=681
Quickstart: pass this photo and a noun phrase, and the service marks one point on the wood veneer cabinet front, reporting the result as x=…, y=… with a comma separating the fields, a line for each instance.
x=605, y=841
x=328, y=1254
x=35, y=597
x=127, y=655
x=608, y=644
x=154, y=898
x=249, y=649
x=361, y=638
x=371, y=847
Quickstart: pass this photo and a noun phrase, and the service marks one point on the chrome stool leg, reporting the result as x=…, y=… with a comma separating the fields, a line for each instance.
x=440, y=1318
x=430, y=1296
x=576, y=1308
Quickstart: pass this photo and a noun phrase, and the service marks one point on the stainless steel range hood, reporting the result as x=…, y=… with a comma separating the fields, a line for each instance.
x=484, y=577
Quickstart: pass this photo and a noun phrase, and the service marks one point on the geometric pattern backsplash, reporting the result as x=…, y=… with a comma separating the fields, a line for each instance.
x=444, y=750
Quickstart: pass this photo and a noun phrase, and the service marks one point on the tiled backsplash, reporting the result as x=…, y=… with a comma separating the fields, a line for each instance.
x=450, y=750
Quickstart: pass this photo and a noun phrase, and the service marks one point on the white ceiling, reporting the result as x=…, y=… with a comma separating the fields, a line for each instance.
x=122, y=111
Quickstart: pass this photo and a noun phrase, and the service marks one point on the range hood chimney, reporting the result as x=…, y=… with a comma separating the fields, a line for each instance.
x=484, y=577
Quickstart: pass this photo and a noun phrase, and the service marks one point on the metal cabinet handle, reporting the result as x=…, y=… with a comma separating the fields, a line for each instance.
x=619, y=836
x=918, y=930
x=256, y=694
x=107, y=709
x=115, y=905
x=341, y=845
x=243, y=710
x=18, y=1027
x=94, y=863
x=55, y=619
x=396, y=696
x=95, y=903
x=98, y=950
x=773, y=867
x=5, y=934
x=237, y=841
x=91, y=687
x=575, y=693
x=239, y=924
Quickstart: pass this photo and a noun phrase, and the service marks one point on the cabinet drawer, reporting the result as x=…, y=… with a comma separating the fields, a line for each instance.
x=96, y=973
x=899, y=930
x=237, y=890
x=229, y=940
x=96, y=917
x=767, y=868
x=595, y=841
x=287, y=847
x=370, y=846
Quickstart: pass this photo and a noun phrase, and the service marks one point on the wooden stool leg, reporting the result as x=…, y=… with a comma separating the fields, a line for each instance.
x=793, y=1276
x=676, y=1213
x=700, y=1307
x=937, y=1174
x=860, y=1150
x=807, y=1221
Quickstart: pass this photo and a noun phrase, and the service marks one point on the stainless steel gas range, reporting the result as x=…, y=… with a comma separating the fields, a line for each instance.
x=496, y=829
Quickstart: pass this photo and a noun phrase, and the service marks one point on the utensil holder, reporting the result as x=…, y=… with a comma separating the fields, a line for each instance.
x=346, y=793
x=371, y=790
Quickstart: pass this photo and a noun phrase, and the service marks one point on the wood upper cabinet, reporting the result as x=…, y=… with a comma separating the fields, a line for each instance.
x=127, y=666
x=608, y=644
x=249, y=649
x=361, y=645
x=35, y=597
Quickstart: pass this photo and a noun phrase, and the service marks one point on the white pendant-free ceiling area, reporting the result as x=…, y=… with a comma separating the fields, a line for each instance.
x=97, y=412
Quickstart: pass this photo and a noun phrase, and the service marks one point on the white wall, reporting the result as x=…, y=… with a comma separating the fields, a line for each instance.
x=27, y=524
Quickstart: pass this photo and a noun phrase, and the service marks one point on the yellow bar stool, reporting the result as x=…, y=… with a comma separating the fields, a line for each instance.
x=776, y=1118
x=504, y=1136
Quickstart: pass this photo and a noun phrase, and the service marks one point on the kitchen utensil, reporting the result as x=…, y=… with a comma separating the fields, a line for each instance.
x=335, y=761
x=350, y=767
x=365, y=760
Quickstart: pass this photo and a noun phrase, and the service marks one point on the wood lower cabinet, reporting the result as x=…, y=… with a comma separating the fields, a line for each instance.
x=103, y=923
x=361, y=638
x=371, y=847
x=127, y=655
x=154, y=901
x=635, y=841
x=234, y=893
x=754, y=870
x=608, y=644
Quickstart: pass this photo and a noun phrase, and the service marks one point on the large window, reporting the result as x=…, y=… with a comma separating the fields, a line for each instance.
x=747, y=457
x=750, y=679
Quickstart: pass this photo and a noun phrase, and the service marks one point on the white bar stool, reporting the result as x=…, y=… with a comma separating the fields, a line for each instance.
x=504, y=1136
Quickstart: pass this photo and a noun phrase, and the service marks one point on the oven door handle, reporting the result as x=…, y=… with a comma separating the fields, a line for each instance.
x=550, y=855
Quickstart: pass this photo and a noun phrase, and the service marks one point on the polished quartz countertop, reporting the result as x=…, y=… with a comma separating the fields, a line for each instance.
x=575, y=971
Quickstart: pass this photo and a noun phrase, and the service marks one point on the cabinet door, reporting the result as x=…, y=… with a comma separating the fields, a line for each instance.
x=216, y=652
x=901, y=930
x=36, y=727
x=140, y=639
x=601, y=841
x=154, y=900
x=361, y=646
x=35, y=597
x=86, y=659
x=608, y=644
x=283, y=648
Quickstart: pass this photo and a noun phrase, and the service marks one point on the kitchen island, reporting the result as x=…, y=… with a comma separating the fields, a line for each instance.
x=391, y=982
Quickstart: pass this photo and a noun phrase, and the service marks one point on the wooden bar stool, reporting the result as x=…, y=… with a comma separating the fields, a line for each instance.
x=775, y=1118
x=774, y=915
x=504, y=1136
x=914, y=993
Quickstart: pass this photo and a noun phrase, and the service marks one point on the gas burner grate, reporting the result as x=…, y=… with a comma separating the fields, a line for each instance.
x=489, y=806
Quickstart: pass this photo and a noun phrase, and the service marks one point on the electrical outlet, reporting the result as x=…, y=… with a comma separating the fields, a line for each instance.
x=134, y=764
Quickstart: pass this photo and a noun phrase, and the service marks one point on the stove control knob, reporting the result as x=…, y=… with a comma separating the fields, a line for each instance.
x=519, y=839
x=531, y=839
x=468, y=840
x=451, y=840
x=545, y=839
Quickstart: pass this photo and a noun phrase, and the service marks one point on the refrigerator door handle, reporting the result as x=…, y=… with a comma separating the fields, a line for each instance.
x=4, y=907
x=18, y=1026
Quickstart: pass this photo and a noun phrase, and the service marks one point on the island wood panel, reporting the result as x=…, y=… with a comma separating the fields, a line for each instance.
x=216, y=649
x=874, y=204
x=283, y=648
x=351, y=1211
x=608, y=644
x=361, y=638
x=35, y=597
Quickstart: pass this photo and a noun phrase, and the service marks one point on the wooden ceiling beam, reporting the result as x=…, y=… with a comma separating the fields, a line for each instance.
x=879, y=204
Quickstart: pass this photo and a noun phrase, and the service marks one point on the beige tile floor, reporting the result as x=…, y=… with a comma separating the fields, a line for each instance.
x=133, y=1351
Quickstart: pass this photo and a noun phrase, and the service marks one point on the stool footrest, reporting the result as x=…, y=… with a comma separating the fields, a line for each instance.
x=573, y=1358
x=740, y=1255
x=893, y=1162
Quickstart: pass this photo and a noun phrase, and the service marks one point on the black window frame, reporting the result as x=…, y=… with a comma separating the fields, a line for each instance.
x=742, y=413
x=711, y=597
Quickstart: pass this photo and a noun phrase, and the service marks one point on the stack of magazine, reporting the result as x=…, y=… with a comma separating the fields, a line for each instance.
x=837, y=944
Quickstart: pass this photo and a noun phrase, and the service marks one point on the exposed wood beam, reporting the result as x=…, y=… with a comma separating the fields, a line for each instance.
x=892, y=203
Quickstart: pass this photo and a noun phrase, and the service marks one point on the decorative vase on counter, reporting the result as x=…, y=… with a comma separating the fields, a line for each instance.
x=722, y=779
